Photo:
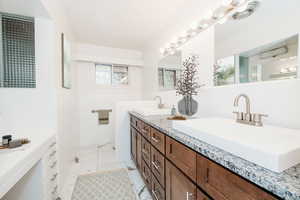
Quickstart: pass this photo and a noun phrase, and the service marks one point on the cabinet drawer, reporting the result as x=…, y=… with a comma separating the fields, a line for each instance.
x=184, y=158
x=178, y=186
x=158, y=140
x=133, y=121
x=158, y=166
x=145, y=130
x=146, y=151
x=222, y=184
x=146, y=174
x=202, y=196
x=158, y=193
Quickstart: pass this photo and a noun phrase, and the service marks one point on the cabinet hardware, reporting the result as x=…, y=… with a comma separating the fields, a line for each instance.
x=145, y=152
x=155, y=195
x=54, y=177
x=53, y=165
x=189, y=196
x=52, y=154
x=171, y=148
x=207, y=175
x=54, y=190
x=155, y=165
x=155, y=140
x=52, y=145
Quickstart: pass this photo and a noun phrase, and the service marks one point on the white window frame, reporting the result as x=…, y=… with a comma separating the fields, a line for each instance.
x=111, y=75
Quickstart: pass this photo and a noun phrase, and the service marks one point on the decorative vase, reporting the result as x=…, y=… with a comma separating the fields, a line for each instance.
x=187, y=106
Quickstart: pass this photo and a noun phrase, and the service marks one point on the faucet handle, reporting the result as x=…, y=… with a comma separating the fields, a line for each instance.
x=257, y=118
x=239, y=115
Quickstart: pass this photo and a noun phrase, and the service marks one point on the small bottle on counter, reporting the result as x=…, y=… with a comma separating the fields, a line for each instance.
x=173, y=111
x=6, y=139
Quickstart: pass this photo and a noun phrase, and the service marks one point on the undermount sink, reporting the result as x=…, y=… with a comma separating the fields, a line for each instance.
x=273, y=148
x=152, y=111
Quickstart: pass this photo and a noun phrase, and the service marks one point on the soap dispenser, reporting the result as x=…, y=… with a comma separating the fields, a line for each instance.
x=173, y=111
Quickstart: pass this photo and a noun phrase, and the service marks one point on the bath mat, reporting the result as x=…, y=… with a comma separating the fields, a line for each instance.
x=107, y=185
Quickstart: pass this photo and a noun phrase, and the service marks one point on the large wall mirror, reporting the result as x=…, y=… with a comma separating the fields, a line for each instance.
x=260, y=43
x=169, y=69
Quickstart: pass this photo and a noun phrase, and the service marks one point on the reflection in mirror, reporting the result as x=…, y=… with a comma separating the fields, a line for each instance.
x=169, y=69
x=259, y=43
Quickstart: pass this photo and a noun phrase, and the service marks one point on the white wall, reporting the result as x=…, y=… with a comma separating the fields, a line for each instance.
x=278, y=99
x=94, y=97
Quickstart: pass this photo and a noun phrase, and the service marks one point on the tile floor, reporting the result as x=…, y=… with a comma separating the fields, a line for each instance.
x=92, y=160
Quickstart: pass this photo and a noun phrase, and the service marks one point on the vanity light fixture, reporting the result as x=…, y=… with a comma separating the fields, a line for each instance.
x=219, y=15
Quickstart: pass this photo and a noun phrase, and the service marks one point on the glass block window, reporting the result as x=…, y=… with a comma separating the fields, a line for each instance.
x=17, y=59
x=111, y=74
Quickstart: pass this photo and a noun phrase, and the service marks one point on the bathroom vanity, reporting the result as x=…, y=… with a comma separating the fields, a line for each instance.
x=30, y=172
x=176, y=166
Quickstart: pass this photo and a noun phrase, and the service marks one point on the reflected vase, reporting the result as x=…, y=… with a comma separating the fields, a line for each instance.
x=187, y=106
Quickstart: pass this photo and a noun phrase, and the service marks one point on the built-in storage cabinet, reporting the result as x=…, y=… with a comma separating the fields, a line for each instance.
x=183, y=157
x=178, y=186
x=173, y=171
x=224, y=185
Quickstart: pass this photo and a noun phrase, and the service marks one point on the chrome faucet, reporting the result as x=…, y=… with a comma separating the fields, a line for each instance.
x=160, y=104
x=247, y=117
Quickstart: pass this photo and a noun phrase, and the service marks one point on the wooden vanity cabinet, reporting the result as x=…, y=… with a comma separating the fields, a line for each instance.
x=222, y=184
x=173, y=171
x=178, y=186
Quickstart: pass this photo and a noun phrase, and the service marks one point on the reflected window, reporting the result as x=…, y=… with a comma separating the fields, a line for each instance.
x=168, y=78
x=224, y=71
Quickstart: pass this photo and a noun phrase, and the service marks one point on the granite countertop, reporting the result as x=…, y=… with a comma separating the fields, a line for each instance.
x=285, y=185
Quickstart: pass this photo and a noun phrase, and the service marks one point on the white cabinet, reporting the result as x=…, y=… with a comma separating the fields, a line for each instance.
x=50, y=172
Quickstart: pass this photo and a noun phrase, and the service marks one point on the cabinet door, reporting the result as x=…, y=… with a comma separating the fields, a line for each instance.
x=221, y=184
x=183, y=157
x=139, y=150
x=133, y=144
x=178, y=186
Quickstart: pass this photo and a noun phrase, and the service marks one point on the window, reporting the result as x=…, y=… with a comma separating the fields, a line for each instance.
x=168, y=78
x=17, y=52
x=111, y=74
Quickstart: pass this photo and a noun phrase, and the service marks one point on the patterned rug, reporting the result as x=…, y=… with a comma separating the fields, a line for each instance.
x=108, y=185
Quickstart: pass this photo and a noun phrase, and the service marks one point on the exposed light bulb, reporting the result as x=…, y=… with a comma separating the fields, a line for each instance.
x=223, y=20
x=204, y=25
x=162, y=50
x=194, y=25
x=242, y=8
x=283, y=70
x=209, y=14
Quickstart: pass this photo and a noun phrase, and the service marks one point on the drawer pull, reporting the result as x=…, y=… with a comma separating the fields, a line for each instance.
x=155, y=165
x=54, y=177
x=155, y=195
x=207, y=175
x=52, y=145
x=54, y=190
x=52, y=154
x=171, y=148
x=145, y=177
x=155, y=140
x=189, y=196
x=144, y=131
x=53, y=165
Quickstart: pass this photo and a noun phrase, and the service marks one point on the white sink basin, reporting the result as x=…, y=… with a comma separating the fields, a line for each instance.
x=152, y=111
x=273, y=148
